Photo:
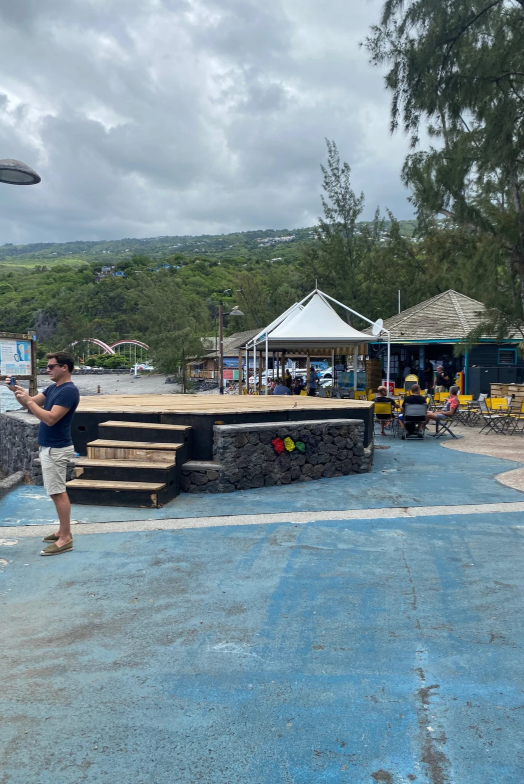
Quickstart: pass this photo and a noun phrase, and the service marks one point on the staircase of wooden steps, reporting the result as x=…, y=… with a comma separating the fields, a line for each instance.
x=131, y=464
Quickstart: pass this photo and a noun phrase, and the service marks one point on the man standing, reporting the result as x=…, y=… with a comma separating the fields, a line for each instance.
x=428, y=376
x=312, y=382
x=443, y=381
x=55, y=408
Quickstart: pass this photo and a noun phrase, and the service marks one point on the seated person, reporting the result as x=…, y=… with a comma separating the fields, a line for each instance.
x=452, y=403
x=414, y=398
x=384, y=419
x=280, y=388
x=298, y=385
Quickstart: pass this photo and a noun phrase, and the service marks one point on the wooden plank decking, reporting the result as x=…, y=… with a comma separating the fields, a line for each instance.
x=206, y=404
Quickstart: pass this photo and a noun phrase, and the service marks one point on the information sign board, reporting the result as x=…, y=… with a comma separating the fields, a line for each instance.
x=15, y=357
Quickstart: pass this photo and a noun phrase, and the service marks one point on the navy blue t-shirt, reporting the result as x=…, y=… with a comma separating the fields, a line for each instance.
x=59, y=434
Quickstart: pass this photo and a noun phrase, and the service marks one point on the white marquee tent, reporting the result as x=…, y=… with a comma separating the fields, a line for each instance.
x=315, y=325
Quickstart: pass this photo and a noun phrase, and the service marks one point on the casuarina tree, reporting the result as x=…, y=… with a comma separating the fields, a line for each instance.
x=456, y=71
x=344, y=244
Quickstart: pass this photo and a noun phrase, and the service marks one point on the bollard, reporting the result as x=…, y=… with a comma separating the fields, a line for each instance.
x=98, y=389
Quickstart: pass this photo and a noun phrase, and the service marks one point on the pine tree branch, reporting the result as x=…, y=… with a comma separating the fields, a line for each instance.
x=471, y=22
x=461, y=33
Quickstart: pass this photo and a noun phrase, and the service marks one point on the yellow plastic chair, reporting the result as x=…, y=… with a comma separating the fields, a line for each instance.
x=436, y=397
x=496, y=403
x=465, y=398
x=386, y=409
x=303, y=393
x=400, y=391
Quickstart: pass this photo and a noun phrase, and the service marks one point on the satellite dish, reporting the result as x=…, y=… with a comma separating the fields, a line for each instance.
x=377, y=327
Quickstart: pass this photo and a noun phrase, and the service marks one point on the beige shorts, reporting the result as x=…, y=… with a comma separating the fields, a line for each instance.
x=54, y=467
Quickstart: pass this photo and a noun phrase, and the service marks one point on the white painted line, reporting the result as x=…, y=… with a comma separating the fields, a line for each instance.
x=174, y=524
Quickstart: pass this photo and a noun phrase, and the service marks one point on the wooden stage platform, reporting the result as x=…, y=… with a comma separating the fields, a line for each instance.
x=204, y=404
x=201, y=412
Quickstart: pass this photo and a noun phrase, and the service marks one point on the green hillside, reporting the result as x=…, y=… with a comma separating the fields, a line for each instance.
x=166, y=291
x=260, y=245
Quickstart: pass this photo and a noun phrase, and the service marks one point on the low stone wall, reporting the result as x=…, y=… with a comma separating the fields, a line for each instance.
x=264, y=455
x=245, y=456
x=19, y=448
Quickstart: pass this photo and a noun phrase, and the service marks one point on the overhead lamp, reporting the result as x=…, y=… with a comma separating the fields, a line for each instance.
x=17, y=173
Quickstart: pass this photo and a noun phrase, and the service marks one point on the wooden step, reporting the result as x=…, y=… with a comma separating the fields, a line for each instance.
x=104, y=449
x=86, y=461
x=112, y=493
x=130, y=471
x=144, y=431
x=135, y=444
x=152, y=487
x=146, y=425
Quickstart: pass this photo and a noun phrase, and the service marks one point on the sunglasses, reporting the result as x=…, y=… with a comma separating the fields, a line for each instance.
x=50, y=367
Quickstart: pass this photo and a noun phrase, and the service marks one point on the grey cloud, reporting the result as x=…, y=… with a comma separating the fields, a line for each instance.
x=187, y=116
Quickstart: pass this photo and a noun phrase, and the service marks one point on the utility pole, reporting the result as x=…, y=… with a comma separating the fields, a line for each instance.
x=221, y=348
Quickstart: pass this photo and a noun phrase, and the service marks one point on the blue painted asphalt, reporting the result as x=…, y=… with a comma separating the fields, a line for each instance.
x=370, y=651
x=412, y=473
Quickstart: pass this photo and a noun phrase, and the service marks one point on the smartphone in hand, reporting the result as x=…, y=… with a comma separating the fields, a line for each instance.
x=12, y=381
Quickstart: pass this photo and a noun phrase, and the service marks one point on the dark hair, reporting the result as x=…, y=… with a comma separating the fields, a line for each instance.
x=63, y=358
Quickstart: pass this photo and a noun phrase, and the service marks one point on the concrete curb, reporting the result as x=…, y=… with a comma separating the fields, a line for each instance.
x=10, y=482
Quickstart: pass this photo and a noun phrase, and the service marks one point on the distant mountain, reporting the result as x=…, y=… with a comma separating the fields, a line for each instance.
x=264, y=244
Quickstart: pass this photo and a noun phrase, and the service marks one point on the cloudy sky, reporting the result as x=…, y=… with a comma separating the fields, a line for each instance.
x=152, y=117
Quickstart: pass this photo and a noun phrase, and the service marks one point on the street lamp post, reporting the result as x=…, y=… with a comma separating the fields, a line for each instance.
x=234, y=312
x=17, y=173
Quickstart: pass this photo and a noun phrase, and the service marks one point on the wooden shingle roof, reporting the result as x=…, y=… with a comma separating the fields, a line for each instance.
x=231, y=344
x=448, y=317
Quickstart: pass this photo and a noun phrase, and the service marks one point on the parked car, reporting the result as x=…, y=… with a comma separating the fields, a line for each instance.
x=143, y=366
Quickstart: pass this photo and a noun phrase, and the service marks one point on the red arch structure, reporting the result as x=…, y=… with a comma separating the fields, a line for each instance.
x=130, y=343
x=107, y=349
